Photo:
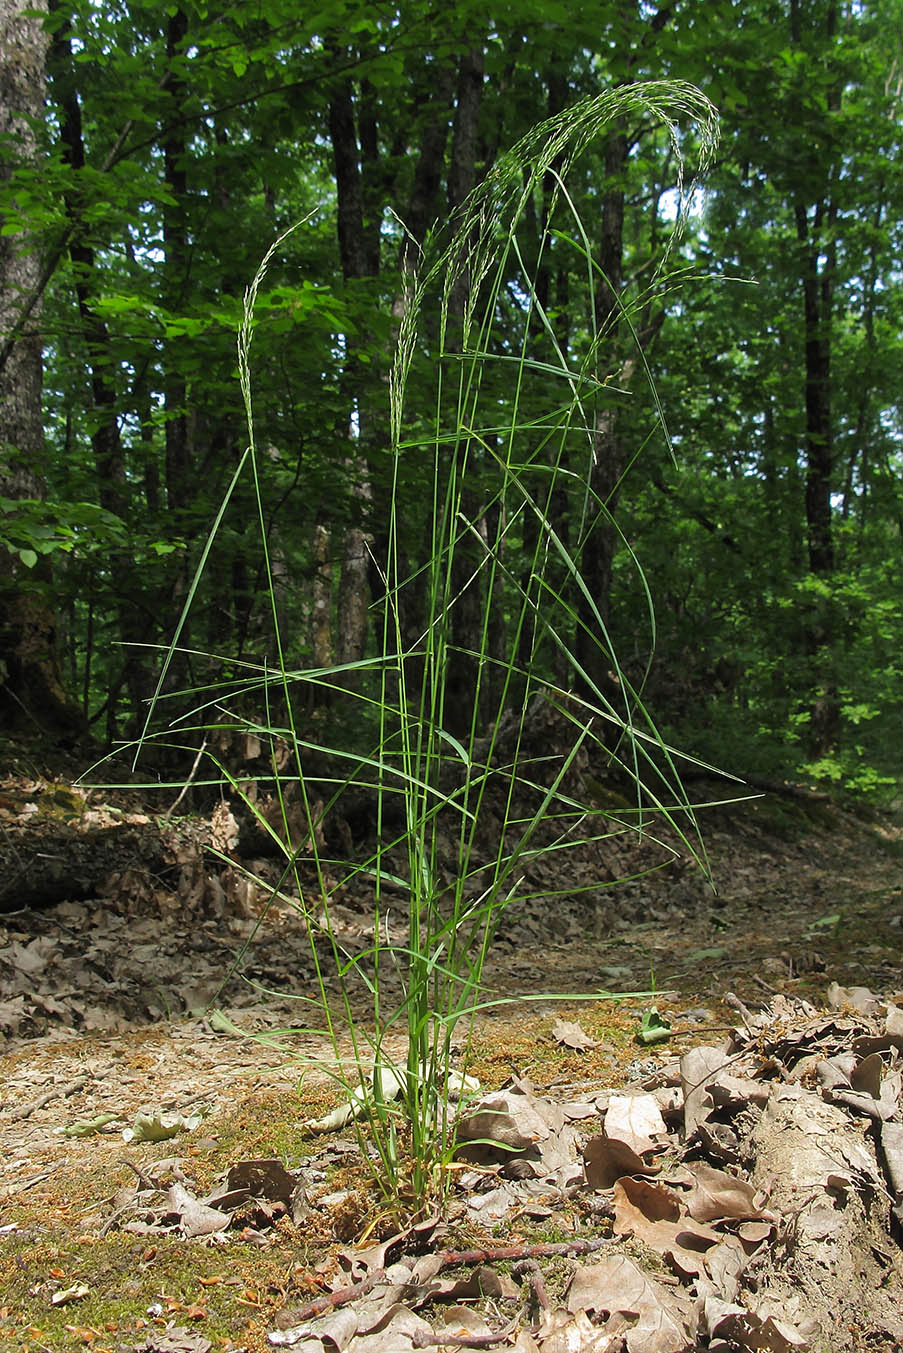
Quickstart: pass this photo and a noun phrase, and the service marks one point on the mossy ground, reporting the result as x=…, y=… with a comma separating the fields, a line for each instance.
x=806, y=896
x=233, y=1289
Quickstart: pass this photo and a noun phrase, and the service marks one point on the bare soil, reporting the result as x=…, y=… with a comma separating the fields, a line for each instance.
x=104, y=1011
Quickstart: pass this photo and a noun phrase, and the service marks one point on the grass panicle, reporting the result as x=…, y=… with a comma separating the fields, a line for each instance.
x=464, y=801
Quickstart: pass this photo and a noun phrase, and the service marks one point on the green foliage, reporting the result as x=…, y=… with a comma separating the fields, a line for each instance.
x=205, y=132
x=466, y=802
x=32, y=527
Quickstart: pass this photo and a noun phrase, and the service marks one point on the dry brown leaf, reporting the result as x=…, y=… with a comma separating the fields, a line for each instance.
x=174, y=1339
x=562, y=1332
x=484, y=1281
x=195, y=1217
x=718, y=1196
x=860, y=999
x=491, y=1206
x=607, y=1159
x=651, y=1202
x=358, y=1261
x=892, y=1150
x=528, y=1133
x=698, y=1068
x=570, y=1034
x=636, y=1120
x=652, y=1214
x=510, y=1119
x=617, y=1286
x=866, y=1075
x=393, y=1333
x=464, y=1321
x=743, y=1329
x=724, y=1264
x=332, y=1331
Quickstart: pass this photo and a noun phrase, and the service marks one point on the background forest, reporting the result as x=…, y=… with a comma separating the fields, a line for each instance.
x=151, y=154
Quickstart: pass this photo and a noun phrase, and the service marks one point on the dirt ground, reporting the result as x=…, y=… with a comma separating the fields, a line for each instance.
x=105, y=1012
x=802, y=894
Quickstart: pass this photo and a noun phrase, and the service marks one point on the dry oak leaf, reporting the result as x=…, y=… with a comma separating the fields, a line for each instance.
x=718, y=1196
x=562, y=1332
x=743, y=1329
x=652, y=1213
x=616, y=1286
x=635, y=1119
x=570, y=1034
x=174, y=1339
x=607, y=1159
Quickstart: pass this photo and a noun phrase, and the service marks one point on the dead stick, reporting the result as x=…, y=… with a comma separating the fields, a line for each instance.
x=426, y=1338
x=451, y=1258
x=333, y=1300
x=58, y=1091
x=191, y=774
x=10, y=1190
x=529, y=1269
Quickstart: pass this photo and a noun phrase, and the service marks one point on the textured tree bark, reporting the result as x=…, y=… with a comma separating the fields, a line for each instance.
x=551, y=286
x=135, y=623
x=175, y=244
x=359, y=239
x=23, y=49
x=423, y=203
x=32, y=696
x=815, y=235
x=609, y=454
x=321, y=607
x=106, y=441
x=468, y=580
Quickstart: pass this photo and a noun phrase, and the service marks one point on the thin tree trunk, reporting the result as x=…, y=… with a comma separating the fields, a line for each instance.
x=467, y=579
x=135, y=622
x=175, y=244
x=32, y=696
x=815, y=234
x=359, y=239
x=609, y=456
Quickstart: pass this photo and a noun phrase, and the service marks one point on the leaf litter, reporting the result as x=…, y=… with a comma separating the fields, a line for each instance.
x=738, y=1193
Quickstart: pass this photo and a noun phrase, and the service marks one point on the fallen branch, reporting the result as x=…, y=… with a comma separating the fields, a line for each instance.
x=449, y=1259
x=57, y=1092
x=10, y=1190
x=539, y=1297
x=452, y=1258
x=427, y=1338
x=333, y=1300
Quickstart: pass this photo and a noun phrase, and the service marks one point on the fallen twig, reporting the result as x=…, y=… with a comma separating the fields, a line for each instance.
x=57, y=1092
x=191, y=774
x=9, y=1190
x=333, y=1300
x=426, y=1338
x=539, y=1297
x=451, y=1258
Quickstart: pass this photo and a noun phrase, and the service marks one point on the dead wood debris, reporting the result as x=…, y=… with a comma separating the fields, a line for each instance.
x=761, y=1176
x=55, y=1092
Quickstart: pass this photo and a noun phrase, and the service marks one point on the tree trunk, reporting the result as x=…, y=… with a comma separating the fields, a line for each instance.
x=109, y=453
x=32, y=697
x=609, y=457
x=359, y=249
x=175, y=244
x=815, y=234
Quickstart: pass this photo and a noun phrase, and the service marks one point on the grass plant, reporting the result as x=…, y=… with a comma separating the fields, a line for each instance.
x=465, y=801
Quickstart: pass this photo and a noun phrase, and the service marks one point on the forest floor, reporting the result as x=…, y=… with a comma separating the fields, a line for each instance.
x=105, y=1016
